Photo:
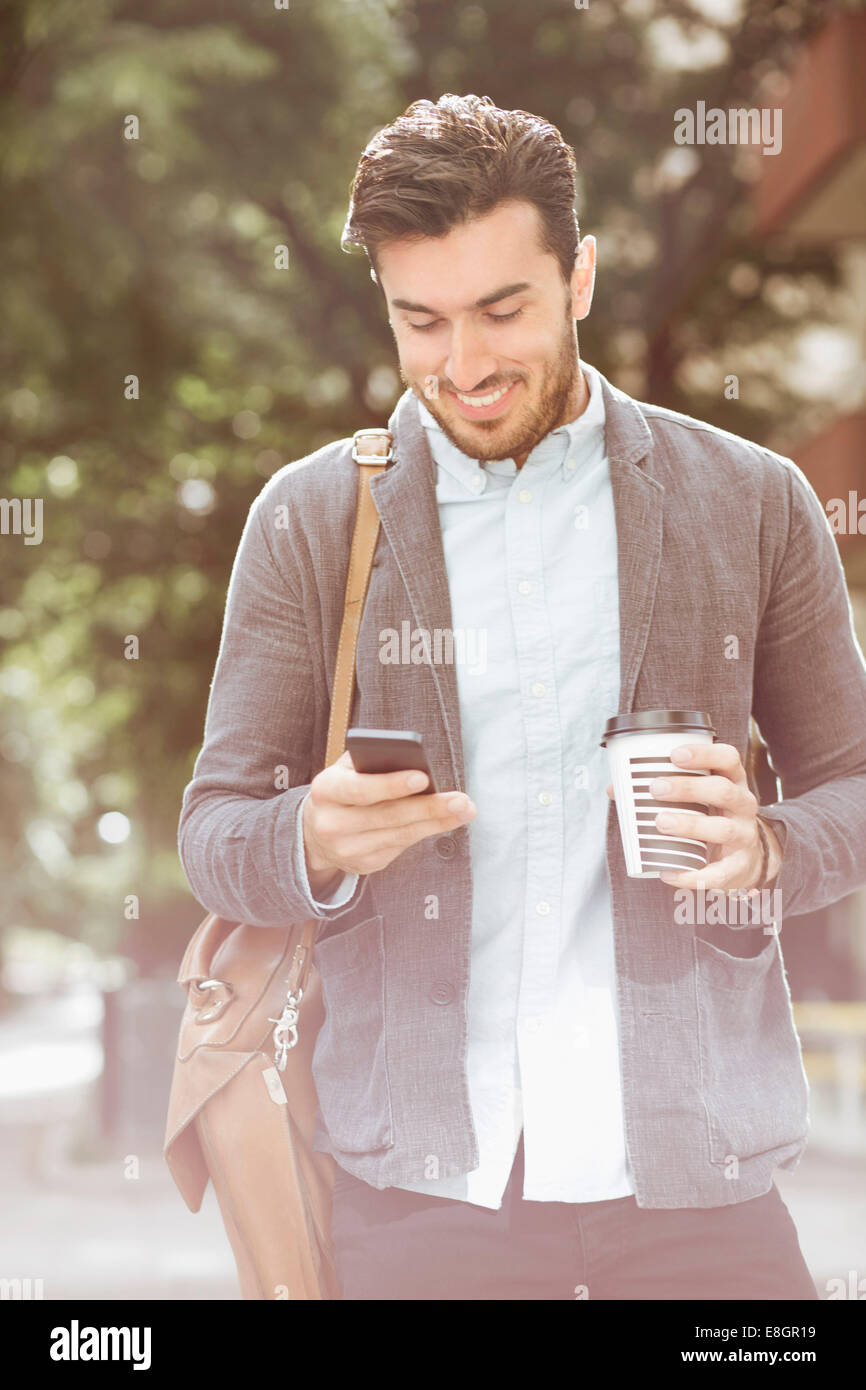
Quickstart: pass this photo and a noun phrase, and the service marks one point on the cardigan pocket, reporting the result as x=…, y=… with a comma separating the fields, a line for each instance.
x=350, y=1061
x=753, y=1084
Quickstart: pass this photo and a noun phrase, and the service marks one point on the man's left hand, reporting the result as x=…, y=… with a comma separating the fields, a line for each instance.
x=731, y=835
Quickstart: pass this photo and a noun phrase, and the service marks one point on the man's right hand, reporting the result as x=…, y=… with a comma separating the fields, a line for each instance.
x=358, y=822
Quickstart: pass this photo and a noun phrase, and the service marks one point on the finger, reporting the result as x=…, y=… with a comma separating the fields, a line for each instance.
x=733, y=832
x=409, y=810
x=341, y=782
x=730, y=874
x=732, y=797
x=367, y=845
x=717, y=757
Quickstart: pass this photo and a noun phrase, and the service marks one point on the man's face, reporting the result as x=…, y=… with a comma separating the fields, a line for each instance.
x=484, y=326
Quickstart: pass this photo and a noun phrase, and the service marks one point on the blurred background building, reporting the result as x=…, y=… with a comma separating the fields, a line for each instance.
x=813, y=194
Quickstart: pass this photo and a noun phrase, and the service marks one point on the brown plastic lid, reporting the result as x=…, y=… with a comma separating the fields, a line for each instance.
x=649, y=721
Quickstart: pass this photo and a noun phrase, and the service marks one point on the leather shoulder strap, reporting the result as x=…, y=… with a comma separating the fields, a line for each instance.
x=372, y=451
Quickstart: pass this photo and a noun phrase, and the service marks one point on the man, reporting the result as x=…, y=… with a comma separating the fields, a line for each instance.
x=537, y=1082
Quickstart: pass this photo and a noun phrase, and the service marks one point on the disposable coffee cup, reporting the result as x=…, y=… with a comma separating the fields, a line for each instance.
x=639, y=747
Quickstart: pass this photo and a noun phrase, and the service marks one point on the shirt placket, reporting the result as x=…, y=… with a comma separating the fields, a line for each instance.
x=544, y=835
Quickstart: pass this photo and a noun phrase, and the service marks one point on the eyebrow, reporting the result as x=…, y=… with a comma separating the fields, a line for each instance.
x=504, y=293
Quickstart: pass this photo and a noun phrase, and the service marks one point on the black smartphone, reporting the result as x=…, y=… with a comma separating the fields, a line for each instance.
x=389, y=750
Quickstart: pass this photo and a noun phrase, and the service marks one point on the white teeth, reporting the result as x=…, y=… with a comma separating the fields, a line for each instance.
x=482, y=400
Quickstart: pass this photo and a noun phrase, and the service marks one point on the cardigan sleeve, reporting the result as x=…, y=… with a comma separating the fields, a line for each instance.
x=809, y=699
x=240, y=816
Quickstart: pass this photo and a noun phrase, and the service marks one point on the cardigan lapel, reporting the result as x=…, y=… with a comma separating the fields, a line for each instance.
x=638, y=500
x=405, y=498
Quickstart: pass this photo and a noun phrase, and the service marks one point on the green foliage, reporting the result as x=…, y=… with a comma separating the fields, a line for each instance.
x=154, y=258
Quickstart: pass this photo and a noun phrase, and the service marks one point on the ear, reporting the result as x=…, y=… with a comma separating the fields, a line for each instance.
x=583, y=278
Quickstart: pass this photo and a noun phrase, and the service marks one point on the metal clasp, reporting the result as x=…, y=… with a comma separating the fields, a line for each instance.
x=285, y=1034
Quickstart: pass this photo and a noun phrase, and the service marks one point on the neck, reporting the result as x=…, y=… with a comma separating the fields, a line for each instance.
x=577, y=402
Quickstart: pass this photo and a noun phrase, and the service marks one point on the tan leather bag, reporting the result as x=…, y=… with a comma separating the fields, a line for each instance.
x=242, y=1104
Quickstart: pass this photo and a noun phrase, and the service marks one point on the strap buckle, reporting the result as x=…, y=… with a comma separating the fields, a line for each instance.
x=363, y=453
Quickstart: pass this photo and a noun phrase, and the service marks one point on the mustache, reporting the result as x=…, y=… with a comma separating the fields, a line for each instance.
x=484, y=387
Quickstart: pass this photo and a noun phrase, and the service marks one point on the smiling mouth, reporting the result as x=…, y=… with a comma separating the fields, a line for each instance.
x=490, y=399
x=486, y=404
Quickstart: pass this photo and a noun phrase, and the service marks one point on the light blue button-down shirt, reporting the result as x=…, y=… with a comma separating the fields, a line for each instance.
x=531, y=559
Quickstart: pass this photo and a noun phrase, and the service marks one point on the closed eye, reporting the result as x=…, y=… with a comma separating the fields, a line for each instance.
x=497, y=318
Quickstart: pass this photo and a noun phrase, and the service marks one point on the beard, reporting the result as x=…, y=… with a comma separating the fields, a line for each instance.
x=507, y=438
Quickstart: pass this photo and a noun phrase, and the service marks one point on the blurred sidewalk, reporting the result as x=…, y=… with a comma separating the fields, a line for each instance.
x=90, y=1232
x=95, y=1234
x=71, y=1215
x=826, y=1196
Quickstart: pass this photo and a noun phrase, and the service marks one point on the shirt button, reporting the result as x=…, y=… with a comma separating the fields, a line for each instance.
x=533, y=1024
x=476, y=481
x=537, y=688
x=542, y=909
x=524, y=587
x=525, y=495
x=446, y=846
x=570, y=463
x=545, y=798
x=442, y=992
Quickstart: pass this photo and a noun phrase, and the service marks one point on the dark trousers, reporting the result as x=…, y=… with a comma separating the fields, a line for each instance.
x=394, y=1244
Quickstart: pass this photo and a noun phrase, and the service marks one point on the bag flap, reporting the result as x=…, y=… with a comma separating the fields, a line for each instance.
x=192, y=1087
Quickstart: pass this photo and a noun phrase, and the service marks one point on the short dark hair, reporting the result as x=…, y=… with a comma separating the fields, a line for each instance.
x=442, y=163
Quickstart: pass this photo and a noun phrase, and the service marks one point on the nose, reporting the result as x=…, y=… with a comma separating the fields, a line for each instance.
x=470, y=361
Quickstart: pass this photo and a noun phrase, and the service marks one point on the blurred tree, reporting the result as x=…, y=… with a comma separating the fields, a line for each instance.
x=156, y=258
x=680, y=291
x=160, y=364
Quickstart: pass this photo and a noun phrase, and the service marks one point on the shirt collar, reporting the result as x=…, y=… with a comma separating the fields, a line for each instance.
x=561, y=451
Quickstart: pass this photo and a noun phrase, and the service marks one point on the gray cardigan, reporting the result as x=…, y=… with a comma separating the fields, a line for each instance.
x=716, y=538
